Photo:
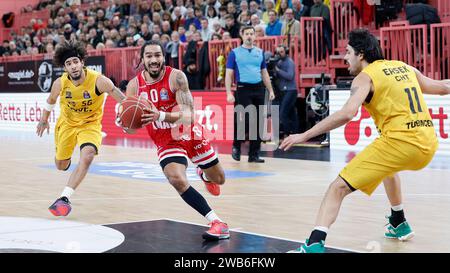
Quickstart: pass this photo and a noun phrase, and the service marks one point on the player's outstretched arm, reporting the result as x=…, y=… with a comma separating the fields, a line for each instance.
x=360, y=89
x=48, y=108
x=132, y=88
x=105, y=85
x=430, y=86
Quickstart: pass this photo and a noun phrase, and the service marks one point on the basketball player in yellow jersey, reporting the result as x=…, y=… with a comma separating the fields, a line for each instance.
x=81, y=92
x=391, y=91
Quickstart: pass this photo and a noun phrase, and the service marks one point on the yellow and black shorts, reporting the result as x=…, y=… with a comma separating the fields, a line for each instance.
x=383, y=158
x=67, y=137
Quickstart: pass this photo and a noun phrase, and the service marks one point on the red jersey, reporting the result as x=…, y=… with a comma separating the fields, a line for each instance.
x=192, y=146
x=163, y=97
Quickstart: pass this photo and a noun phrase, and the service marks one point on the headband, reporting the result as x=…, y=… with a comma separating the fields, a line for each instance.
x=69, y=54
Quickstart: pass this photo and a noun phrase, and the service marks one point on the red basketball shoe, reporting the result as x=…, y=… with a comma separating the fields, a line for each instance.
x=61, y=207
x=217, y=231
x=213, y=188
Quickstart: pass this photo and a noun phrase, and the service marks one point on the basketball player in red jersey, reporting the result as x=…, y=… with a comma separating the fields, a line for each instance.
x=172, y=112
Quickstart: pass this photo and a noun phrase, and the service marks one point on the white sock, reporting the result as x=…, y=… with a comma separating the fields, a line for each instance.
x=67, y=192
x=398, y=207
x=323, y=229
x=211, y=216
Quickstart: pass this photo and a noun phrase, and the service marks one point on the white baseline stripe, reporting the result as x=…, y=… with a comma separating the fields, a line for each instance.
x=268, y=236
x=137, y=221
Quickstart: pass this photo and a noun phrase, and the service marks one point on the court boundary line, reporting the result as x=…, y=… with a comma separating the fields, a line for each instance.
x=137, y=221
x=268, y=236
x=246, y=232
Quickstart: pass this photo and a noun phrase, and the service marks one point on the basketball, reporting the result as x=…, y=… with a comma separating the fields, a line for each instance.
x=130, y=111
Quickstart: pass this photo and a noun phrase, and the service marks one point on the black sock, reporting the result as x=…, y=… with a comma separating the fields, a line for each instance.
x=196, y=201
x=316, y=237
x=397, y=217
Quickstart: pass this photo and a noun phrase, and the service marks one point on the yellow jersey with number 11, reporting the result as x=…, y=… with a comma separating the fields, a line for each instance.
x=397, y=105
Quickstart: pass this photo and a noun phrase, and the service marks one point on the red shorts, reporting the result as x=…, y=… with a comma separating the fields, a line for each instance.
x=197, y=149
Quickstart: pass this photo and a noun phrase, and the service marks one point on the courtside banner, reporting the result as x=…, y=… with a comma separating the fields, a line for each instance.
x=37, y=76
x=361, y=131
x=22, y=112
x=211, y=110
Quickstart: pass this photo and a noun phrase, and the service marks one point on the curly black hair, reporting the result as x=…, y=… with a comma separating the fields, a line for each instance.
x=363, y=42
x=67, y=50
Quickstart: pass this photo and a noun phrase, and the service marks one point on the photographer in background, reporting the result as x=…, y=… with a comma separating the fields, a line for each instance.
x=285, y=72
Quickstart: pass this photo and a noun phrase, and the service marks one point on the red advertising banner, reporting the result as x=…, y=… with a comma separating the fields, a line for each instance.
x=212, y=111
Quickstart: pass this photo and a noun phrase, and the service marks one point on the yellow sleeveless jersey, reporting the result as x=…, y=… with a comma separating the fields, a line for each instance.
x=81, y=104
x=397, y=106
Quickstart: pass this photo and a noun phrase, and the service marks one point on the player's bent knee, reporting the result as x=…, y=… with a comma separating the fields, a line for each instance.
x=340, y=187
x=214, y=172
x=220, y=178
x=178, y=182
x=88, y=152
x=62, y=165
x=87, y=158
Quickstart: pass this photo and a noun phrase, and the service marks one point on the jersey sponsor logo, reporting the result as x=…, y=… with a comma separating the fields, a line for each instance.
x=164, y=95
x=163, y=125
x=199, y=146
x=396, y=70
x=81, y=110
x=68, y=94
x=419, y=123
x=86, y=95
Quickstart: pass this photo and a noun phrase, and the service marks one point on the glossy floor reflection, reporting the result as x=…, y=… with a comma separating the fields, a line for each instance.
x=168, y=236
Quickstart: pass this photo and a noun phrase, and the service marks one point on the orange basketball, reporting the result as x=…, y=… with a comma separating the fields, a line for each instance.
x=130, y=111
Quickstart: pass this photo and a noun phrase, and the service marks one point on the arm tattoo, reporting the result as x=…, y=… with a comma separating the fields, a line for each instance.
x=184, y=96
x=181, y=81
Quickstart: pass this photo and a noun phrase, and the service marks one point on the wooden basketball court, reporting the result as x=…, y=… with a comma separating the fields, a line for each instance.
x=275, y=200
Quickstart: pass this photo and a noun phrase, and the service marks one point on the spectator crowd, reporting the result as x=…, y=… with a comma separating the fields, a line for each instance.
x=132, y=23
